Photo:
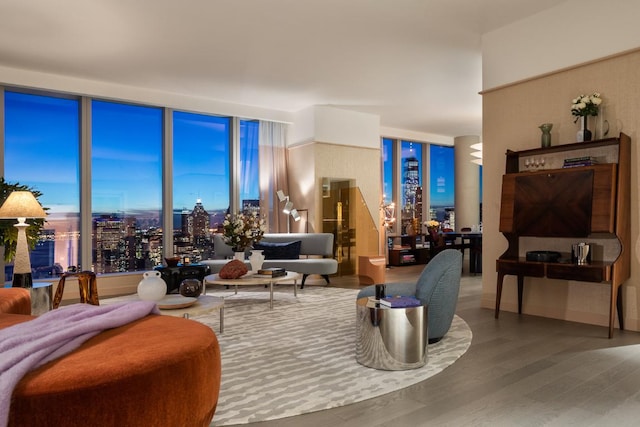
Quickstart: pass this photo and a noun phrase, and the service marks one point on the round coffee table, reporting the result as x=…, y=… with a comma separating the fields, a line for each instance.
x=254, y=280
x=204, y=304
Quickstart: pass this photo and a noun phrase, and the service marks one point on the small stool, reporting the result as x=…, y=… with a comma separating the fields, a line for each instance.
x=86, y=284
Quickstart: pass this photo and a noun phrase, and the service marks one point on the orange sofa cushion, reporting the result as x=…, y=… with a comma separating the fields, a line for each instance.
x=159, y=370
x=15, y=300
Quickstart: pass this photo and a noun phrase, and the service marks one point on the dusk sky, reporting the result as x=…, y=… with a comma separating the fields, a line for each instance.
x=126, y=164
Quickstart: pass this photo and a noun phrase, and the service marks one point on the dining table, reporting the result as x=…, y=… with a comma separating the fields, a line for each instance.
x=471, y=240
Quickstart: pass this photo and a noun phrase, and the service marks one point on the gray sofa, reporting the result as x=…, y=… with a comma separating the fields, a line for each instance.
x=315, y=256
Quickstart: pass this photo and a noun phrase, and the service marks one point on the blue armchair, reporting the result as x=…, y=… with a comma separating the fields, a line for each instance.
x=437, y=286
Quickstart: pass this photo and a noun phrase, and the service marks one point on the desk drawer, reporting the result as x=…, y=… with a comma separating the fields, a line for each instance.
x=517, y=268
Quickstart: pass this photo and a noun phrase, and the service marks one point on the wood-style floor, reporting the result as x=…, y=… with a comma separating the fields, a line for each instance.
x=519, y=371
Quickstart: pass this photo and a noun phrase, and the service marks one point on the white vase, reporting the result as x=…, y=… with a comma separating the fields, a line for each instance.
x=239, y=256
x=256, y=259
x=152, y=287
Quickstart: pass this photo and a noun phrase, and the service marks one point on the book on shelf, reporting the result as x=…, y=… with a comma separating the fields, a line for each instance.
x=273, y=271
x=400, y=301
x=579, y=161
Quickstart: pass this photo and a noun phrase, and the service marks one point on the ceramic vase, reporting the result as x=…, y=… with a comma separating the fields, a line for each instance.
x=545, y=139
x=256, y=259
x=191, y=288
x=239, y=256
x=152, y=287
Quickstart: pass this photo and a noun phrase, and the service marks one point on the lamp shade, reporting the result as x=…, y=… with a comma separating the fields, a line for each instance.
x=22, y=204
x=287, y=207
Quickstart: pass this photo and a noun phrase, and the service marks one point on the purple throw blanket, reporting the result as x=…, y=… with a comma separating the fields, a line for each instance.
x=30, y=344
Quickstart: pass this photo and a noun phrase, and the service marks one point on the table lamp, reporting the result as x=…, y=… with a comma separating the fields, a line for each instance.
x=22, y=205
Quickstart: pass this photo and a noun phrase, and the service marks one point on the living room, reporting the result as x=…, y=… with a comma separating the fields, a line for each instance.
x=527, y=80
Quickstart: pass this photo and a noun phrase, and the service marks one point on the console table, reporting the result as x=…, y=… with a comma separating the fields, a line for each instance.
x=591, y=201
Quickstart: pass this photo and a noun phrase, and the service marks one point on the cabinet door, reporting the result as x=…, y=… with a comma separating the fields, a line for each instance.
x=571, y=202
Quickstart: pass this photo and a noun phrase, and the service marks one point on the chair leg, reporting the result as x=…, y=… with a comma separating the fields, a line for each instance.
x=304, y=277
x=326, y=277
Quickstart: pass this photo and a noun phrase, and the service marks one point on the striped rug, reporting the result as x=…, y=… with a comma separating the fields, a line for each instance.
x=300, y=356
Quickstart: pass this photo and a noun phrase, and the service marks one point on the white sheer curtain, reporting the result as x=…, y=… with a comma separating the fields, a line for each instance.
x=273, y=173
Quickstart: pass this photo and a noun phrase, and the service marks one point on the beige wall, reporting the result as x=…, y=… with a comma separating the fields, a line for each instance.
x=511, y=116
x=310, y=162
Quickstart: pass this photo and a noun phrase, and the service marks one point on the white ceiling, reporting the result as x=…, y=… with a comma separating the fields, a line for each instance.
x=415, y=63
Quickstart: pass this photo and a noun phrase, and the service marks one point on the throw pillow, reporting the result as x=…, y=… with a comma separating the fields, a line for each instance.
x=287, y=250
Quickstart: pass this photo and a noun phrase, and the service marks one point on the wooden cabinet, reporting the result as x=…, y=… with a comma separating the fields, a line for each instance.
x=410, y=250
x=552, y=202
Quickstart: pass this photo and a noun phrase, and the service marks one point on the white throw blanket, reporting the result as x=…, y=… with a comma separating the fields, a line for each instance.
x=30, y=344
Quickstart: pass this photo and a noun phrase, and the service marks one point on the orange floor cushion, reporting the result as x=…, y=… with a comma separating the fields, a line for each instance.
x=156, y=371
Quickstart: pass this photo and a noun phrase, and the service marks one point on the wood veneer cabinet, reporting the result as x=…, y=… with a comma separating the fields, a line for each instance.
x=552, y=202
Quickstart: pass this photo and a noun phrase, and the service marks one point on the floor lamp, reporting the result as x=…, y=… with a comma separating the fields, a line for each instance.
x=288, y=208
x=295, y=213
x=22, y=205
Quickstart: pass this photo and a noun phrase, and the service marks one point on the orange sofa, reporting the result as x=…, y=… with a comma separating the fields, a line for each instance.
x=158, y=370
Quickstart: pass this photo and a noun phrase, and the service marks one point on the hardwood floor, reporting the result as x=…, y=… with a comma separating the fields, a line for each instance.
x=519, y=371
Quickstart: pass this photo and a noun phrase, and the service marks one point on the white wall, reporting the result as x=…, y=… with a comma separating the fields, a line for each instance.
x=336, y=126
x=571, y=33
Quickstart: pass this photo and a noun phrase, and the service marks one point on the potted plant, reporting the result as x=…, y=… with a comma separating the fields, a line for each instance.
x=9, y=233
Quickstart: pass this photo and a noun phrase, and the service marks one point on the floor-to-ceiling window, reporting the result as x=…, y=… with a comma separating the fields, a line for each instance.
x=249, y=166
x=126, y=186
x=201, y=165
x=411, y=185
x=387, y=171
x=41, y=150
x=441, y=185
x=418, y=183
x=46, y=137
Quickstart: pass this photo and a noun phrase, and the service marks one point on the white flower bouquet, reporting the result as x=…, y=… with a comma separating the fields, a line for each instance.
x=586, y=105
x=243, y=230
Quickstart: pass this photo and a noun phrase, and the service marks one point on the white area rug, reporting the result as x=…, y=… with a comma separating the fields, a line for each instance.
x=300, y=356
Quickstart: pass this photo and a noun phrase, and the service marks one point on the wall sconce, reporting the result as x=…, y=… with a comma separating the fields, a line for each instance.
x=326, y=188
x=477, y=154
x=22, y=205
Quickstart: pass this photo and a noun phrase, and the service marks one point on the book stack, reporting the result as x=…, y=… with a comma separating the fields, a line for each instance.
x=579, y=161
x=400, y=301
x=272, y=272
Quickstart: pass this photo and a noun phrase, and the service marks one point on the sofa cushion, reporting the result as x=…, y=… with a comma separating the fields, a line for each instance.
x=286, y=250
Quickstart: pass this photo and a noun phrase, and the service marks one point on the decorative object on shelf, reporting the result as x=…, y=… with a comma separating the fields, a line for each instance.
x=172, y=261
x=545, y=139
x=256, y=259
x=584, y=106
x=21, y=205
x=433, y=227
x=190, y=288
x=151, y=287
x=243, y=230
